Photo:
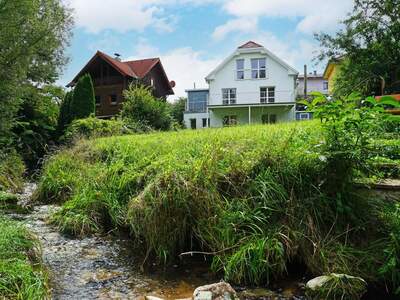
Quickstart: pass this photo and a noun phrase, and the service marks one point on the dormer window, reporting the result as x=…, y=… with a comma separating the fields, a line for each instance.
x=240, y=69
x=258, y=68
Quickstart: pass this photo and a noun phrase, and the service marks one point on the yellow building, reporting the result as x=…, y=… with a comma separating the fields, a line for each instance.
x=331, y=71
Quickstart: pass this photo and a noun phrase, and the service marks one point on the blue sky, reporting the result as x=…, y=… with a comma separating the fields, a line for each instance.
x=192, y=36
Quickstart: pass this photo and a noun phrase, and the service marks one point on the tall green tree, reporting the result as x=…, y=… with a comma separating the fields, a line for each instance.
x=33, y=37
x=65, y=118
x=83, y=102
x=36, y=123
x=370, y=42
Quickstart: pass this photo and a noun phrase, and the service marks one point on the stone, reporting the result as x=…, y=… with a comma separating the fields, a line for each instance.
x=328, y=286
x=216, y=291
x=152, y=298
x=259, y=294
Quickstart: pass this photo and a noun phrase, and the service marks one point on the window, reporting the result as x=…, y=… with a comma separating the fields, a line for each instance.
x=326, y=85
x=98, y=99
x=304, y=116
x=228, y=96
x=268, y=119
x=258, y=68
x=267, y=95
x=193, y=123
x=240, y=69
x=113, y=99
x=205, y=121
x=229, y=120
x=197, y=101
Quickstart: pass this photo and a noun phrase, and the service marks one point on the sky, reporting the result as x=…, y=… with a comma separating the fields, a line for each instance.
x=193, y=36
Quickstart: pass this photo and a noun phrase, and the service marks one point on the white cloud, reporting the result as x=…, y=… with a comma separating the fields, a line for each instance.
x=315, y=15
x=183, y=65
x=127, y=15
x=243, y=25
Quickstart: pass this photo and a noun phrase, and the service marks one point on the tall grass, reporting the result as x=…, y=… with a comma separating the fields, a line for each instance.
x=251, y=196
x=22, y=275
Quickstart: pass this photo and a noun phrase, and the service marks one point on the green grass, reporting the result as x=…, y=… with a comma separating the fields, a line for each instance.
x=252, y=196
x=22, y=275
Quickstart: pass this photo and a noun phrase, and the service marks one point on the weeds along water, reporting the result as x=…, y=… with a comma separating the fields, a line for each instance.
x=252, y=197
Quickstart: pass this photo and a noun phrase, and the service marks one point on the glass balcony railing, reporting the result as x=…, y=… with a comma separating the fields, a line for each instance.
x=197, y=107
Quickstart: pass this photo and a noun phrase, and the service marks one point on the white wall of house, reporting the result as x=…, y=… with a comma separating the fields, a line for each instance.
x=248, y=89
x=314, y=84
x=187, y=117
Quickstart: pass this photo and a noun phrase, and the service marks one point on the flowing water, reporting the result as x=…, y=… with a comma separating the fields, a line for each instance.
x=104, y=268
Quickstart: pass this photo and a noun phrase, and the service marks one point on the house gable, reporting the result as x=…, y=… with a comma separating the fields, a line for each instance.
x=251, y=47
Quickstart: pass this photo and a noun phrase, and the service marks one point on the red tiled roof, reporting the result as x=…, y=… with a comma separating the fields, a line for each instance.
x=119, y=65
x=250, y=44
x=133, y=68
x=142, y=67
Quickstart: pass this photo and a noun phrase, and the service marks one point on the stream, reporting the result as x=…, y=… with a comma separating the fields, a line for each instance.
x=104, y=268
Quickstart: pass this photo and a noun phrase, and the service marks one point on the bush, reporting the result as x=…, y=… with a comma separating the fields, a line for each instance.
x=36, y=126
x=94, y=127
x=141, y=108
x=83, y=102
x=11, y=171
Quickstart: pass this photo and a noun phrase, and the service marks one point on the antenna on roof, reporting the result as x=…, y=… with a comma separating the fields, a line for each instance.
x=117, y=56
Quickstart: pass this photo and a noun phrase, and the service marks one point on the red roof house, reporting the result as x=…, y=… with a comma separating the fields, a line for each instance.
x=111, y=77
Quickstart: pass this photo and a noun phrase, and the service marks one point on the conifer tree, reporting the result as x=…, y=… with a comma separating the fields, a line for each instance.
x=83, y=102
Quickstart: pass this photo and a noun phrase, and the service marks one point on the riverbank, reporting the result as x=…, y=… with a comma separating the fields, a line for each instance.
x=255, y=199
x=22, y=273
x=104, y=267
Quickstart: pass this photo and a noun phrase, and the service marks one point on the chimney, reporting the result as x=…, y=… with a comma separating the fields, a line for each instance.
x=117, y=56
x=305, y=81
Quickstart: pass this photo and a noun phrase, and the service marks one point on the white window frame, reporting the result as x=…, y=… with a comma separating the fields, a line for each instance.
x=258, y=68
x=229, y=100
x=265, y=96
x=240, y=69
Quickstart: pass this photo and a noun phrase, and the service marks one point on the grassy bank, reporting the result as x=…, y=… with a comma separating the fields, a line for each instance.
x=21, y=272
x=252, y=196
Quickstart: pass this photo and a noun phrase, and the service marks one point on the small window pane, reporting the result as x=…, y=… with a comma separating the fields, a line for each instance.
x=240, y=64
x=254, y=74
x=262, y=74
x=240, y=75
x=254, y=63
x=262, y=63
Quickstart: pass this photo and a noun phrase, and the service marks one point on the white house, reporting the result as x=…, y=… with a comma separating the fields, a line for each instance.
x=251, y=86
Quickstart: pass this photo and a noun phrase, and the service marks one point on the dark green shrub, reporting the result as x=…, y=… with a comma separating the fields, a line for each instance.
x=141, y=108
x=64, y=118
x=83, y=102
